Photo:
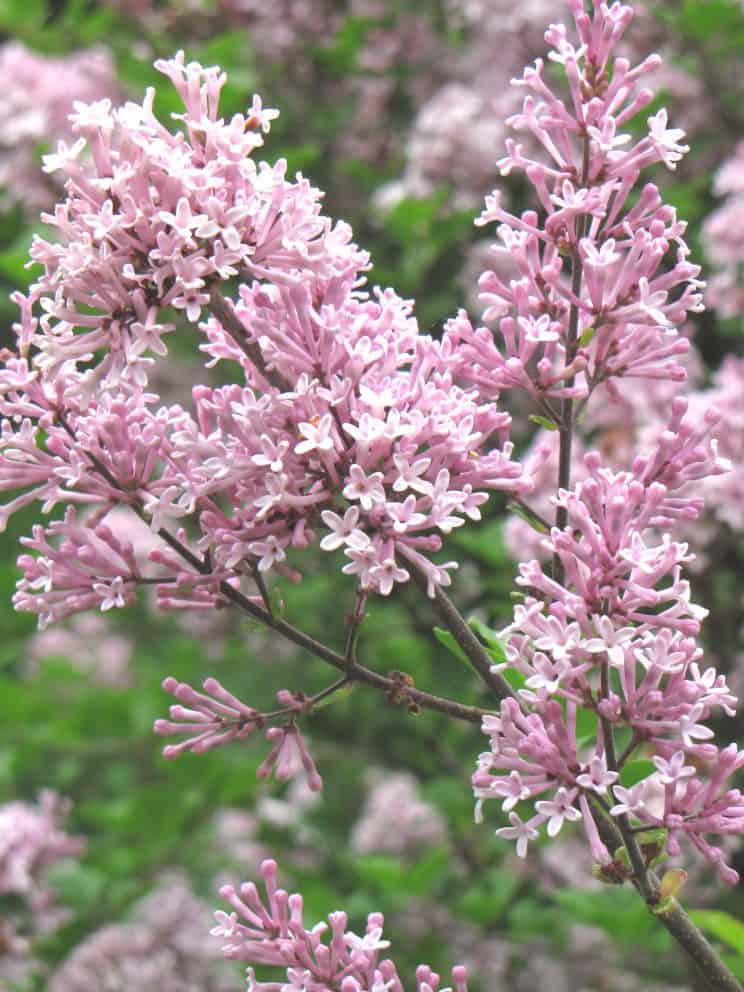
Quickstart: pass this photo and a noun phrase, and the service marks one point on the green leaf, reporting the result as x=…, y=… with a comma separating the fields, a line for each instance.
x=530, y=518
x=736, y=963
x=721, y=925
x=444, y=637
x=515, y=679
x=382, y=873
x=546, y=422
x=618, y=912
x=636, y=771
x=485, y=543
x=489, y=898
x=587, y=722
x=494, y=646
x=77, y=885
x=427, y=873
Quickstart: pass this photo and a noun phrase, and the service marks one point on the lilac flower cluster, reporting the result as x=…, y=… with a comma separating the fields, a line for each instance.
x=617, y=639
x=271, y=931
x=395, y=797
x=723, y=240
x=610, y=635
x=348, y=428
x=32, y=838
x=216, y=717
x=164, y=946
x=37, y=98
x=637, y=286
x=620, y=422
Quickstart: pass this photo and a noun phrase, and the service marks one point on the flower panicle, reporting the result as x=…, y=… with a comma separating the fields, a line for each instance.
x=270, y=930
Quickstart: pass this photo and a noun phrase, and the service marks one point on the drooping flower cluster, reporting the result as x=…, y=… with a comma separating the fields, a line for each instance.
x=348, y=426
x=216, y=717
x=604, y=646
x=38, y=95
x=270, y=931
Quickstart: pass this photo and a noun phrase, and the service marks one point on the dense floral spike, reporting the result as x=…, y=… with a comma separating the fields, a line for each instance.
x=617, y=638
x=637, y=286
x=607, y=642
x=270, y=931
x=347, y=426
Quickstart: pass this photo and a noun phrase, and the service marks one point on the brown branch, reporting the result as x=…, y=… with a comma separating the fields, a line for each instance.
x=566, y=427
x=456, y=624
x=233, y=325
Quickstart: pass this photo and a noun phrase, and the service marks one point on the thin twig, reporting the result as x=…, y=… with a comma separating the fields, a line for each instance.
x=458, y=626
x=233, y=326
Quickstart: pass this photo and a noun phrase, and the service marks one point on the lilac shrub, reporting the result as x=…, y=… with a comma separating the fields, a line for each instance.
x=347, y=431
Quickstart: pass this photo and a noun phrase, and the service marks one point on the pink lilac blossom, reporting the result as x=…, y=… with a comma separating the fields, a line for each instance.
x=638, y=285
x=32, y=838
x=617, y=637
x=344, y=410
x=38, y=96
x=216, y=717
x=164, y=948
x=90, y=645
x=612, y=630
x=458, y=125
x=270, y=931
x=620, y=421
x=394, y=798
x=723, y=239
